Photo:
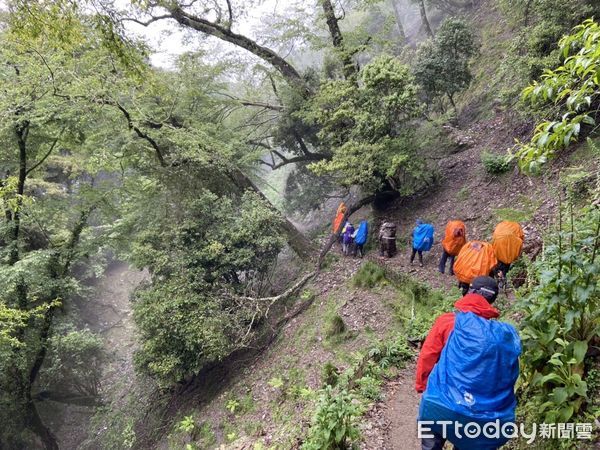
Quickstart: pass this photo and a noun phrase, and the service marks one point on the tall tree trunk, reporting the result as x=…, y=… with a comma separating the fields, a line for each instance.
x=338, y=39
x=21, y=132
x=225, y=33
x=398, y=16
x=59, y=266
x=295, y=238
x=424, y=18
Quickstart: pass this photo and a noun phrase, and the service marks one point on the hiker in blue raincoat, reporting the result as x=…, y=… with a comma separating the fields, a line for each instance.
x=422, y=240
x=360, y=238
x=467, y=370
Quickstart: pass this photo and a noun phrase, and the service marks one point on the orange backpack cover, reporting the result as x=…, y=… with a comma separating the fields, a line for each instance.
x=455, y=237
x=475, y=259
x=337, y=222
x=507, y=241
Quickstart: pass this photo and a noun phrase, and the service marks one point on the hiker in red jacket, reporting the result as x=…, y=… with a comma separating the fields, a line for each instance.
x=482, y=293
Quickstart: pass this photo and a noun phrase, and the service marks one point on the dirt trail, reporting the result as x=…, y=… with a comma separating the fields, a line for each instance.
x=106, y=311
x=392, y=423
x=469, y=194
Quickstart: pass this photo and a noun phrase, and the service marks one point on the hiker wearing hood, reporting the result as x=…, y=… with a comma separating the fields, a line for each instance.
x=347, y=233
x=360, y=237
x=422, y=240
x=467, y=369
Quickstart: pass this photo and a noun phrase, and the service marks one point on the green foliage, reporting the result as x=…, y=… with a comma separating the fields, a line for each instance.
x=550, y=12
x=463, y=194
x=527, y=206
x=418, y=306
x=369, y=276
x=335, y=326
x=562, y=318
x=276, y=382
x=219, y=248
x=495, y=164
x=334, y=423
x=393, y=352
x=187, y=424
x=370, y=387
x=366, y=127
x=573, y=89
x=442, y=64
x=329, y=374
x=74, y=363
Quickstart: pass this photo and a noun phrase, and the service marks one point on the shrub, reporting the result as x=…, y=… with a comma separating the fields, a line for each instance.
x=369, y=275
x=75, y=363
x=335, y=326
x=496, y=164
x=562, y=320
x=573, y=92
x=330, y=374
x=334, y=423
x=393, y=352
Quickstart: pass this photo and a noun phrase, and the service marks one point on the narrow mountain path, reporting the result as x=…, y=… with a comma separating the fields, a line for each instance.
x=481, y=201
x=392, y=423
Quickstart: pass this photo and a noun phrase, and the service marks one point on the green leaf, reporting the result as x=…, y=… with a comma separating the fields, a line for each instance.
x=553, y=377
x=565, y=413
x=559, y=395
x=580, y=350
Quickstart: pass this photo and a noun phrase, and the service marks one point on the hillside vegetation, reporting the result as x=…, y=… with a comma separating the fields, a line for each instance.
x=217, y=176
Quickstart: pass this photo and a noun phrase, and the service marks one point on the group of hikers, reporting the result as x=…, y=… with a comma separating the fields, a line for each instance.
x=469, y=362
x=466, y=259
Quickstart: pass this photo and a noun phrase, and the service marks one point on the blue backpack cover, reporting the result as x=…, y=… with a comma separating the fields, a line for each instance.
x=423, y=237
x=477, y=370
x=362, y=233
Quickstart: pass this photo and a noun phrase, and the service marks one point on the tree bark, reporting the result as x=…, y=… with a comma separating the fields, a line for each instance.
x=337, y=38
x=59, y=266
x=424, y=18
x=398, y=16
x=289, y=73
x=295, y=238
x=21, y=132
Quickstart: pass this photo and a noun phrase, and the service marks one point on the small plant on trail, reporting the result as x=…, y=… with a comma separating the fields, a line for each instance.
x=335, y=326
x=463, y=194
x=330, y=374
x=369, y=275
x=187, y=424
x=495, y=164
x=392, y=352
x=232, y=405
x=276, y=382
x=370, y=387
x=334, y=423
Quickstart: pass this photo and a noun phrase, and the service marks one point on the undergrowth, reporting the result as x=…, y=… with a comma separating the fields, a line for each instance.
x=369, y=275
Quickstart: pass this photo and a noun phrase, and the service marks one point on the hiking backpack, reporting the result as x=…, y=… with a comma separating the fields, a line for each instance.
x=476, y=258
x=423, y=237
x=455, y=237
x=477, y=369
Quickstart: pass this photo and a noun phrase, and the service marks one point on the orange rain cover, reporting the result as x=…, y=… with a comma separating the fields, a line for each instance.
x=339, y=216
x=455, y=238
x=507, y=241
x=475, y=259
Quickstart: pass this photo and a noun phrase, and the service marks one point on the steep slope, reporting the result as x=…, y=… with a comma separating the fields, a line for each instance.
x=261, y=402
